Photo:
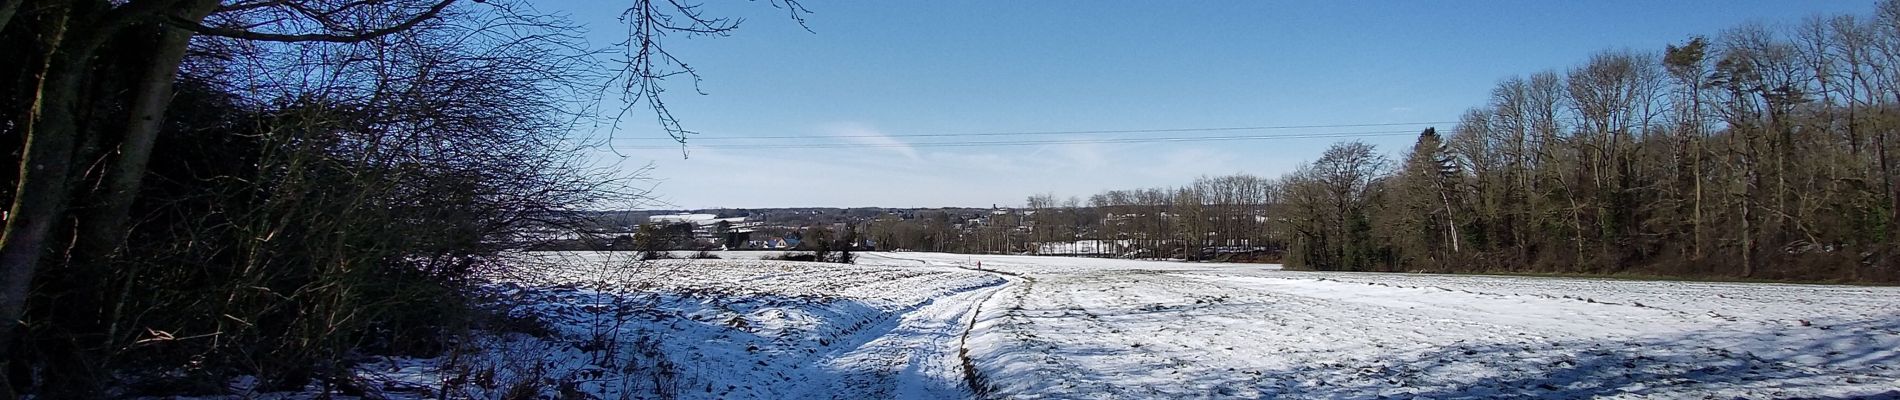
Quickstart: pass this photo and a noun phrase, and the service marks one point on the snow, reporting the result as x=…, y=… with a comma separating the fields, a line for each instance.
x=768, y=329
x=906, y=325
x=1089, y=328
x=700, y=219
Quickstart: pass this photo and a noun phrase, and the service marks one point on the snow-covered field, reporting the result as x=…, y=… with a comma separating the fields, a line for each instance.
x=1070, y=328
x=713, y=329
x=912, y=325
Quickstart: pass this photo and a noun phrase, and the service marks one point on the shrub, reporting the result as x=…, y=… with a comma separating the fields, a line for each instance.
x=792, y=256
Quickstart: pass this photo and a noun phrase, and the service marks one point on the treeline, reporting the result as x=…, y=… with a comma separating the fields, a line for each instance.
x=946, y=231
x=205, y=190
x=1756, y=153
x=1213, y=215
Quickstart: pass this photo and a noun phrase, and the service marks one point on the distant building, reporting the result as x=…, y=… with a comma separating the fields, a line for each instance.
x=707, y=228
x=682, y=218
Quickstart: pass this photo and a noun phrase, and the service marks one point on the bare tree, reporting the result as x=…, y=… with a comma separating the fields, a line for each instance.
x=406, y=114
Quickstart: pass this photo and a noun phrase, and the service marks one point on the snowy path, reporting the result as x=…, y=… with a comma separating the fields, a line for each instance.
x=1082, y=328
x=716, y=329
x=916, y=357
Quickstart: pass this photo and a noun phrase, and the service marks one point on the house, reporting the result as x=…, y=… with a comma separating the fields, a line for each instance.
x=779, y=243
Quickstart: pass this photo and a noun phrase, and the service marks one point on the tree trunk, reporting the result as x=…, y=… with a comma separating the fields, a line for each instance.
x=1892, y=182
x=52, y=133
x=7, y=9
x=102, y=238
x=1751, y=186
x=40, y=193
x=1696, y=223
x=1451, y=226
x=1576, y=223
x=1699, y=144
x=1748, y=241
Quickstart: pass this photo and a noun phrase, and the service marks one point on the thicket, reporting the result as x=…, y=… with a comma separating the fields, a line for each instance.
x=208, y=189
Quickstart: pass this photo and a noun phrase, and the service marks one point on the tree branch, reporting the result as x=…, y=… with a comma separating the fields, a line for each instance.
x=198, y=28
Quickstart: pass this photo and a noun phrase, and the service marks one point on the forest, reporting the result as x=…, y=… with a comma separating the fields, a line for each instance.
x=1758, y=152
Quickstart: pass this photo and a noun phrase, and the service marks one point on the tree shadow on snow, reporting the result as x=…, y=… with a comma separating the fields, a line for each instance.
x=712, y=345
x=1847, y=361
x=1857, y=360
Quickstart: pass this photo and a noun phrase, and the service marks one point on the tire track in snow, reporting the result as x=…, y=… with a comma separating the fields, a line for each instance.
x=907, y=356
x=922, y=341
x=973, y=377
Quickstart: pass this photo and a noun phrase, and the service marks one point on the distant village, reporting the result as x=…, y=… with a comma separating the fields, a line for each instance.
x=764, y=229
x=1074, y=231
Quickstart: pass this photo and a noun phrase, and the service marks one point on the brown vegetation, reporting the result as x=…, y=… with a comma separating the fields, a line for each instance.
x=212, y=188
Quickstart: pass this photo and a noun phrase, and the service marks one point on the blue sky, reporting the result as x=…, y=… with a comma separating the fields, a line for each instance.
x=876, y=68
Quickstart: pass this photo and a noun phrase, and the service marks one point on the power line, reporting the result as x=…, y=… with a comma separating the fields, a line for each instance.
x=1078, y=132
x=1039, y=142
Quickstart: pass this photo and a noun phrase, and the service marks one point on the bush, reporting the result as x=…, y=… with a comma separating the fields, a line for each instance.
x=285, y=230
x=792, y=256
x=650, y=255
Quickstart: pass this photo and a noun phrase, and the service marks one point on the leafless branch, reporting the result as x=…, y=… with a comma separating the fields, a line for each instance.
x=342, y=34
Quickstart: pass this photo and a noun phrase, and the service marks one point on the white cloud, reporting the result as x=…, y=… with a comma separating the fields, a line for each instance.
x=1184, y=164
x=865, y=134
x=985, y=162
x=935, y=177
x=1085, y=157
